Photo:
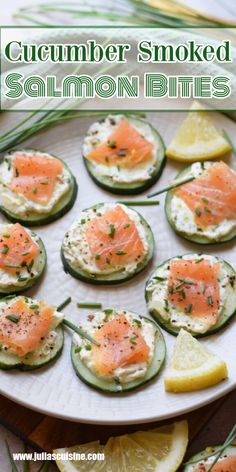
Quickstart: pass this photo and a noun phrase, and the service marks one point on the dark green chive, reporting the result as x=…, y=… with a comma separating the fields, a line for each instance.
x=13, y=318
x=112, y=231
x=121, y=154
x=137, y=322
x=34, y=307
x=108, y=311
x=88, y=347
x=132, y=340
x=64, y=304
x=120, y=253
x=189, y=308
x=16, y=173
x=209, y=300
x=77, y=349
x=171, y=290
x=83, y=221
x=127, y=225
x=205, y=200
x=199, y=260
x=166, y=307
x=29, y=267
x=198, y=212
x=204, y=289
x=10, y=266
x=5, y=250
x=160, y=279
x=111, y=144
x=6, y=235
x=89, y=305
x=97, y=257
x=207, y=209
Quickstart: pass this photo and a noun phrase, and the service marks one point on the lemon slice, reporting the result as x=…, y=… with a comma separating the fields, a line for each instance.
x=158, y=450
x=197, y=138
x=193, y=366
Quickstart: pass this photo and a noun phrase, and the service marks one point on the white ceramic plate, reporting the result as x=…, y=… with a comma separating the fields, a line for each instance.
x=56, y=390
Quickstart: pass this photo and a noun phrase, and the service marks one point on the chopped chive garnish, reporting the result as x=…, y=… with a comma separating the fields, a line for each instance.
x=83, y=221
x=13, y=318
x=89, y=305
x=29, y=267
x=121, y=154
x=64, y=304
x=111, y=144
x=183, y=294
x=138, y=322
x=112, y=231
x=179, y=285
x=189, y=308
x=11, y=266
x=186, y=282
x=35, y=190
x=174, y=185
x=120, y=253
x=6, y=235
x=198, y=212
x=5, y=250
x=204, y=289
x=34, y=307
x=97, y=257
x=77, y=349
x=16, y=173
x=132, y=340
x=205, y=200
x=166, y=308
x=207, y=209
x=139, y=202
x=80, y=331
x=25, y=253
x=209, y=300
x=160, y=279
x=108, y=311
x=127, y=225
x=88, y=347
x=199, y=260
x=171, y=290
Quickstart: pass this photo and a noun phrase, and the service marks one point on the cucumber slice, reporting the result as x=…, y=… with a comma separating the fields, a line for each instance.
x=64, y=204
x=227, y=313
x=31, y=281
x=195, y=238
x=116, y=277
x=38, y=357
x=114, y=385
x=199, y=458
x=35, y=359
x=135, y=186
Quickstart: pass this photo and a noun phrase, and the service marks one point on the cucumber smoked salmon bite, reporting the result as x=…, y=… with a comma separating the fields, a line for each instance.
x=22, y=258
x=35, y=187
x=31, y=335
x=109, y=243
x=124, y=154
x=131, y=351
x=196, y=292
x=204, y=210
x=226, y=463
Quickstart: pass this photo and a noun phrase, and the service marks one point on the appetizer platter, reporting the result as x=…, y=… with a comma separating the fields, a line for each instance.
x=146, y=280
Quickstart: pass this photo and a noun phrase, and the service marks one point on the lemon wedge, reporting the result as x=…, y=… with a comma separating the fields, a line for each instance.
x=197, y=138
x=193, y=366
x=157, y=450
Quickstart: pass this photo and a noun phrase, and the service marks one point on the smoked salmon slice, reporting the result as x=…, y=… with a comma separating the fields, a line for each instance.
x=30, y=326
x=17, y=248
x=212, y=196
x=125, y=147
x=225, y=465
x=113, y=239
x=194, y=289
x=121, y=344
x=34, y=176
